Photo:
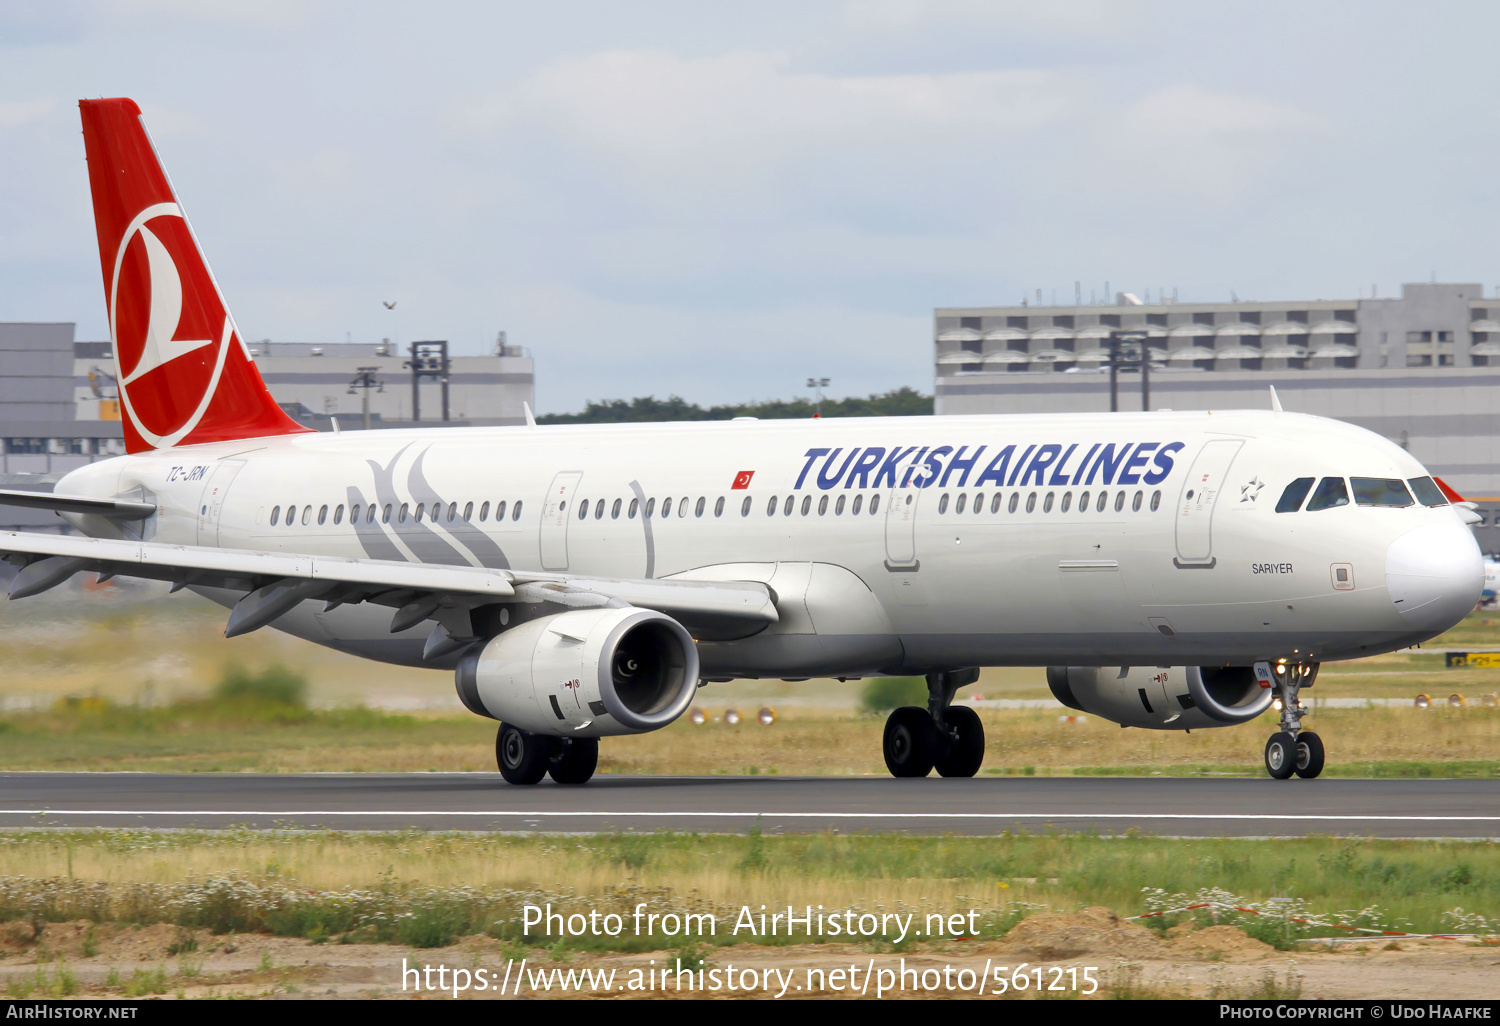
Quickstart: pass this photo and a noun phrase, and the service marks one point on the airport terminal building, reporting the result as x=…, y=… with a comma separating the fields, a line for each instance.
x=1422, y=370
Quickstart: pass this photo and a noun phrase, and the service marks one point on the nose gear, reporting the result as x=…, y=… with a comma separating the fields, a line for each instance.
x=1292, y=750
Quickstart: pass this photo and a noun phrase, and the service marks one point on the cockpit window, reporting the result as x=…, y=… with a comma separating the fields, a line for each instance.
x=1330, y=492
x=1427, y=491
x=1291, y=499
x=1380, y=491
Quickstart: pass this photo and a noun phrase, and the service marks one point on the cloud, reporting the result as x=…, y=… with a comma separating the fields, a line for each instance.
x=17, y=113
x=1209, y=141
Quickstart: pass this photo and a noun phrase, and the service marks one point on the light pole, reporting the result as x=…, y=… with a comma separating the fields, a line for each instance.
x=1125, y=348
x=364, y=381
x=817, y=385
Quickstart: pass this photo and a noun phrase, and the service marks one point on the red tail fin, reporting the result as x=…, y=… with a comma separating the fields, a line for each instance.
x=185, y=375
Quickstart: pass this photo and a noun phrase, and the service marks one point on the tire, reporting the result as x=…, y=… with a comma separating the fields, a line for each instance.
x=1281, y=755
x=1309, y=754
x=523, y=757
x=911, y=742
x=575, y=760
x=964, y=754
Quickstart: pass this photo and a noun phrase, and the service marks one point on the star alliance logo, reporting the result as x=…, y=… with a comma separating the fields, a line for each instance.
x=1250, y=489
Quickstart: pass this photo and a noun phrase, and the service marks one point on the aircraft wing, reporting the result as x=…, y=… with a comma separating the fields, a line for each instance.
x=113, y=509
x=275, y=582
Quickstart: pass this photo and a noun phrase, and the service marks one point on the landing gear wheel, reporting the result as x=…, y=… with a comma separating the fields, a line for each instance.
x=522, y=755
x=1309, y=755
x=911, y=742
x=965, y=753
x=575, y=760
x=1281, y=755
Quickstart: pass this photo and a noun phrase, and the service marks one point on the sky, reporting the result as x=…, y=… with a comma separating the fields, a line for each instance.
x=721, y=200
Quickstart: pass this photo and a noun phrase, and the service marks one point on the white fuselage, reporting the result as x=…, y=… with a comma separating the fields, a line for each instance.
x=892, y=545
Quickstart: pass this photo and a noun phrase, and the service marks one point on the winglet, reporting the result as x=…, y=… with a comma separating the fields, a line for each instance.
x=530, y=420
x=1275, y=401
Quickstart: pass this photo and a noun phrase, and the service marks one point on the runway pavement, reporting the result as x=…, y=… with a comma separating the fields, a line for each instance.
x=986, y=805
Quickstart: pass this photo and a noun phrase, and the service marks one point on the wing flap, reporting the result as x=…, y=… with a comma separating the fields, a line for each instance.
x=112, y=509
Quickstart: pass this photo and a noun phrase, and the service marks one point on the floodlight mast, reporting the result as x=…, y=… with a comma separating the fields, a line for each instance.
x=1126, y=348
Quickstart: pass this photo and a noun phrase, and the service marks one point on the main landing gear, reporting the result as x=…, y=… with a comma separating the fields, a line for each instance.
x=1292, y=749
x=525, y=758
x=942, y=736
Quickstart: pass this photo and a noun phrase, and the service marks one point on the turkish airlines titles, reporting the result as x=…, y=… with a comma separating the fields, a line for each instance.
x=1048, y=464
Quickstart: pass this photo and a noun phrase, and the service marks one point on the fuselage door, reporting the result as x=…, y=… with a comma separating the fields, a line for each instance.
x=1195, y=508
x=901, y=528
x=555, y=516
x=211, y=502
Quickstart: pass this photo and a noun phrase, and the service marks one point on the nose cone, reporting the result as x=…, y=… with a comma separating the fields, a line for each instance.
x=1434, y=575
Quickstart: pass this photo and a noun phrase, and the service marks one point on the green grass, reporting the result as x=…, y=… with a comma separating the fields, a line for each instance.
x=224, y=882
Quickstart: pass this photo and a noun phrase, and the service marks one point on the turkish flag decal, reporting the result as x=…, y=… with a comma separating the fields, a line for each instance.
x=742, y=479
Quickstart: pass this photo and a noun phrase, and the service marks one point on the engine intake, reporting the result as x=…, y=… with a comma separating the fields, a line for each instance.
x=584, y=673
x=1162, y=697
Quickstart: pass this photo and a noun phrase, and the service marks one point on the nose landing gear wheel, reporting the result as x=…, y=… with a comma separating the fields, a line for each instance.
x=575, y=760
x=1281, y=755
x=965, y=753
x=1309, y=755
x=911, y=742
x=522, y=755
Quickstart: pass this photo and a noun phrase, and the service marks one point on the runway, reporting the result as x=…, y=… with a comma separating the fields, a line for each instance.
x=1175, y=806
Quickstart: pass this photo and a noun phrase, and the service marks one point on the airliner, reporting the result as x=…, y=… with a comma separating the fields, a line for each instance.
x=1172, y=570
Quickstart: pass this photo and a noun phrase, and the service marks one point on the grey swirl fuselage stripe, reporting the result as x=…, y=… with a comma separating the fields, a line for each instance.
x=640, y=498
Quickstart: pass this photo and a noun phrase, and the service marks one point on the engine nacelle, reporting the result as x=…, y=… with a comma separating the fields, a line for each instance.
x=584, y=673
x=1162, y=697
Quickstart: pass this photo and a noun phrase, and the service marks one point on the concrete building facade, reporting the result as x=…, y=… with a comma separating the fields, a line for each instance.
x=1422, y=370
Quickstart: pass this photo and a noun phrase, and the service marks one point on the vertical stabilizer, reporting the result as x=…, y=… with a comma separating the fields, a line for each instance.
x=184, y=373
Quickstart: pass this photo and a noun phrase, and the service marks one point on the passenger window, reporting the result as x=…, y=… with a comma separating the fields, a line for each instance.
x=385, y=517
x=1067, y=501
x=1380, y=491
x=468, y=511
x=1331, y=492
x=583, y=509
x=307, y=515
x=354, y=513
x=1047, y=503
x=838, y=507
x=698, y=509
x=771, y=507
x=1135, y=504
x=995, y=503
x=786, y=510
x=614, y=511
x=635, y=505
x=515, y=513
x=874, y=503
x=291, y=515
x=682, y=507
x=275, y=515
x=1119, y=501
x=823, y=505
x=404, y=508
x=1015, y=498
x=1031, y=502
x=806, y=504
x=745, y=507
x=418, y=518
x=1291, y=499
x=650, y=508
x=1083, y=503
x=943, y=503
x=1426, y=489
x=859, y=501
x=666, y=506
x=484, y=511
x=453, y=511
x=599, y=509
x=499, y=511
x=338, y=514
x=1155, y=500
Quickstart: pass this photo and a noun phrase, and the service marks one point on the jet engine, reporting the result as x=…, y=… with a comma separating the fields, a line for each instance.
x=584, y=673
x=1162, y=697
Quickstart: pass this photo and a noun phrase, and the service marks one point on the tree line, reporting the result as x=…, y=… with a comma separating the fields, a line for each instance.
x=900, y=402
